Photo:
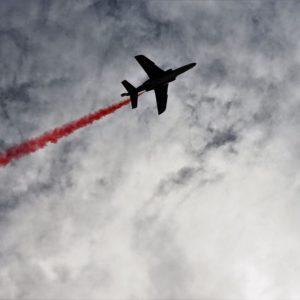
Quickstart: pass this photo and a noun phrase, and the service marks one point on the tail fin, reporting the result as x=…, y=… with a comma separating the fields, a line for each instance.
x=132, y=91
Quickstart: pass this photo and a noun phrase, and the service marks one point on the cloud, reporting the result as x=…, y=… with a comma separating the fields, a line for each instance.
x=200, y=202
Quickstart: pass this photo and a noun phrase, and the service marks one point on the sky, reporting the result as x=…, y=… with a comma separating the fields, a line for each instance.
x=200, y=202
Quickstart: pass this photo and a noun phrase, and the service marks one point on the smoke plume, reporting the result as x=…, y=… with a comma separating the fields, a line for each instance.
x=56, y=134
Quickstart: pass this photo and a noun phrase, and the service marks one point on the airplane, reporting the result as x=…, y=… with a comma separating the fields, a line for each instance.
x=158, y=81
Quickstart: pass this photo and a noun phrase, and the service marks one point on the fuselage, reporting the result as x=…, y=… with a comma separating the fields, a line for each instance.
x=158, y=81
x=168, y=76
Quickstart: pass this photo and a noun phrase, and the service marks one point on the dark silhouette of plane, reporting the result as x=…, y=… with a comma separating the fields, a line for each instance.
x=158, y=81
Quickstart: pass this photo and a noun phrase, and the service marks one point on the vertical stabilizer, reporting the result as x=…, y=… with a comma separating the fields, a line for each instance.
x=132, y=92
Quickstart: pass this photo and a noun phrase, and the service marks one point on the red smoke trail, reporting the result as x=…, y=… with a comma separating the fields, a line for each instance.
x=54, y=135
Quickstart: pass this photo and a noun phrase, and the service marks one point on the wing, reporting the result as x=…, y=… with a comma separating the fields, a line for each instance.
x=161, y=94
x=149, y=66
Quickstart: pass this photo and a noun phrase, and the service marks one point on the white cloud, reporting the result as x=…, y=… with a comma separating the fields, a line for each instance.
x=200, y=202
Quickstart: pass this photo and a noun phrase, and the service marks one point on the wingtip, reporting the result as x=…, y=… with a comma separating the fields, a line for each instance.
x=161, y=111
x=139, y=56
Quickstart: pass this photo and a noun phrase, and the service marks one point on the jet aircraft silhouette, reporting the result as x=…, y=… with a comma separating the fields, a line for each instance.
x=158, y=81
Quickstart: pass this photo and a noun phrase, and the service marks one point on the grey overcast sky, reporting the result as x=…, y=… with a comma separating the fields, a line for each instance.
x=201, y=202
